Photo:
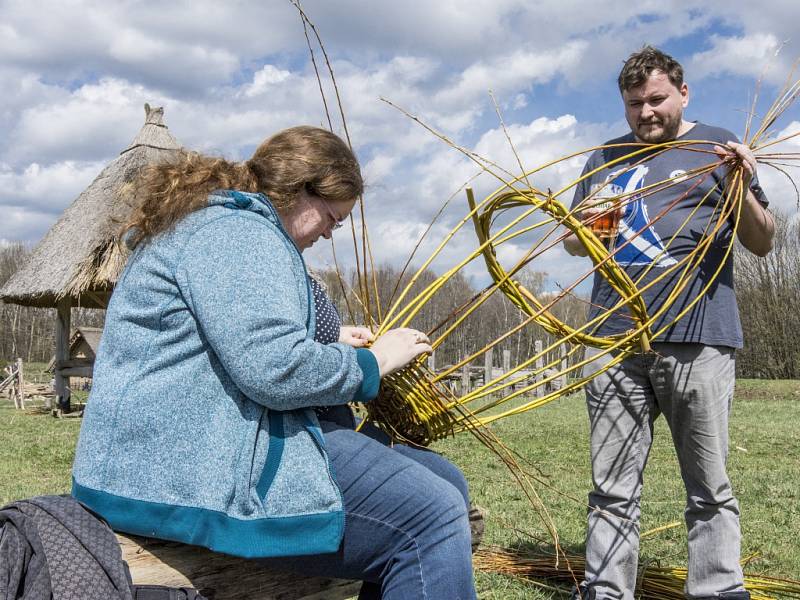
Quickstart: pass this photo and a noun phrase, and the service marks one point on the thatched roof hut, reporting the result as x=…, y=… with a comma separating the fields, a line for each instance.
x=78, y=258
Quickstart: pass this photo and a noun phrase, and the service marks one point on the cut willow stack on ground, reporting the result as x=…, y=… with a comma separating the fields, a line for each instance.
x=654, y=582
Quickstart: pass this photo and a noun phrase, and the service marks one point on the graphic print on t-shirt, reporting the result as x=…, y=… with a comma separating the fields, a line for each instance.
x=645, y=245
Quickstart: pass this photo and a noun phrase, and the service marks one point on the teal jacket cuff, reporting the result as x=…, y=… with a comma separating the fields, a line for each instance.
x=372, y=376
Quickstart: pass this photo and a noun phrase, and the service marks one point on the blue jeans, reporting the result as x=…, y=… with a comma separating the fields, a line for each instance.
x=406, y=530
x=692, y=386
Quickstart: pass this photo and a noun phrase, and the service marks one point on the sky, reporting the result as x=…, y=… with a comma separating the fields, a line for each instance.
x=76, y=74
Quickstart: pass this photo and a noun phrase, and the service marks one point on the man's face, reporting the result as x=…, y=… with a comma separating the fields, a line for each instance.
x=654, y=110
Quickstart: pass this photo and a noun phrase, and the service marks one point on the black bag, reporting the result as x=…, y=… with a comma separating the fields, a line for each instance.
x=160, y=592
x=51, y=547
x=54, y=548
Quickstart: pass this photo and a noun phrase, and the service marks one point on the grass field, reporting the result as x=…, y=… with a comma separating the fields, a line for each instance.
x=764, y=466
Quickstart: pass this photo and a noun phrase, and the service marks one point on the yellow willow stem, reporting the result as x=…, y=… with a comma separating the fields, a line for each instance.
x=576, y=384
x=423, y=296
x=657, y=530
x=416, y=304
x=616, y=276
x=390, y=319
x=685, y=262
x=374, y=281
x=497, y=385
x=697, y=256
x=498, y=282
x=619, y=345
x=536, y=403
x=707, y=241
x=656, y=185
x=738, y=189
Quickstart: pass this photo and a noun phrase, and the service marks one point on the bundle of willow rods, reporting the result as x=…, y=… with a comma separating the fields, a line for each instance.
x=412, y=408
x=654, y=583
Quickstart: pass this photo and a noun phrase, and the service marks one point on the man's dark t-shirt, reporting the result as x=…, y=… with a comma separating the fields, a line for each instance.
x=681, y=215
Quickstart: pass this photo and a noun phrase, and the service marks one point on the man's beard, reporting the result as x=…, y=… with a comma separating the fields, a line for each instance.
x=666, y=130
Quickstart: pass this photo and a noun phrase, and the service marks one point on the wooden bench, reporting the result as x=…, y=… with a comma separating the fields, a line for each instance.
x=223, y=577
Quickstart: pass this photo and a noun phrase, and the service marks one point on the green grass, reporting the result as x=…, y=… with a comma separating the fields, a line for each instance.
x=37, y=452
x=764, y=466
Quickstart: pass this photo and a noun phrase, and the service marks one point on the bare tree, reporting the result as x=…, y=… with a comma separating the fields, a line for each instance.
x=768, y=293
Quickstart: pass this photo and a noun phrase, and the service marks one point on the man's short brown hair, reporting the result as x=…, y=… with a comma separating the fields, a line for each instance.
x=640, y=65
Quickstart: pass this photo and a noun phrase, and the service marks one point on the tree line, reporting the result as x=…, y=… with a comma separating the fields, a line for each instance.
x=495, y=316
x=767, y=290
x=768, y=293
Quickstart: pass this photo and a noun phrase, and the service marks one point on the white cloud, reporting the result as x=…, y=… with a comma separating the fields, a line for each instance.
x=518, y=69
x=33, y=198
x=23, y=225
x=47, y=189
x=180, y=46
x=268, y=77
x=95, y=121
x=746, y=55
x=76, y=75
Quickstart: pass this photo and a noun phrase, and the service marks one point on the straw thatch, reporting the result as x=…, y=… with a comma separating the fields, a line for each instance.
x=78, y=257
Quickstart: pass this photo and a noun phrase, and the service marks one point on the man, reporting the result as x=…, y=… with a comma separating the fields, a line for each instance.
x=689, y=375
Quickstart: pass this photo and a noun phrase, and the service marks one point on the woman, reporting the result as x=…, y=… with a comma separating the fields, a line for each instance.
x=201, y=426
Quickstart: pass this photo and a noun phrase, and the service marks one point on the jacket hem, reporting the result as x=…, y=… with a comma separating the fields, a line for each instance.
x=294, y=535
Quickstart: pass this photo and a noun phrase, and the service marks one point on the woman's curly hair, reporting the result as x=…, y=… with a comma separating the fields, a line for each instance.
x=292, y=160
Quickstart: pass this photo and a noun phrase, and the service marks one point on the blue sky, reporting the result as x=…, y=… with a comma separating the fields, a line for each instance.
x=76, y=74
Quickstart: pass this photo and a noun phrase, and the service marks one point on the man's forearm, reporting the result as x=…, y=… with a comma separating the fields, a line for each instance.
x=756, y=226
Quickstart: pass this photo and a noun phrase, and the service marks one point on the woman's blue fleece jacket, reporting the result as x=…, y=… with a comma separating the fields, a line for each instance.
x=199, y=427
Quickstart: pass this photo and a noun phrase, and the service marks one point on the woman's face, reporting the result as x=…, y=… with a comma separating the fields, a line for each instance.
x=311, y=218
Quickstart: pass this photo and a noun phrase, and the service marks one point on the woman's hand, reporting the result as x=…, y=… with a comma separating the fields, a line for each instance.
x=357, y=337
x=398, y=347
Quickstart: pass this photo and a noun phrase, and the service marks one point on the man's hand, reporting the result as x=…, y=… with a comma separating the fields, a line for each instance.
x=357, y=337
x=587, y=215
x=744, y=154
x=756, y=225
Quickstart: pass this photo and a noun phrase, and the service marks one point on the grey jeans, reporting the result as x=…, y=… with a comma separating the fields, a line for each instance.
x=692, y=386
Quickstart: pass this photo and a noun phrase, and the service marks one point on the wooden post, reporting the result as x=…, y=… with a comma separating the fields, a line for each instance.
x=506, y=368
x=562, y=352
x=488, y=372
x=62, y=351
x=465, y=387
x=10, y=382
x=20, y=402
x=537, y=348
